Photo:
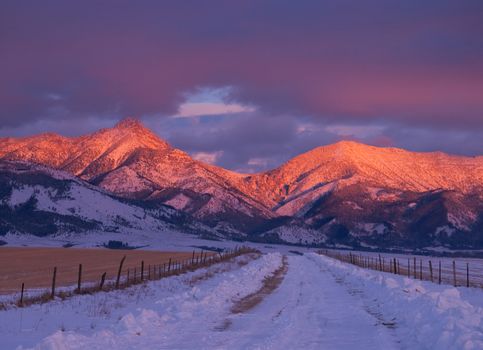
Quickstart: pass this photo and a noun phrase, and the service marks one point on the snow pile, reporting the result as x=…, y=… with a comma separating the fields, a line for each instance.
x=438, y=316
x=158, y=314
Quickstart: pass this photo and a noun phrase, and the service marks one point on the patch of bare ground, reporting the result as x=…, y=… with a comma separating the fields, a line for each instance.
x=270, y=283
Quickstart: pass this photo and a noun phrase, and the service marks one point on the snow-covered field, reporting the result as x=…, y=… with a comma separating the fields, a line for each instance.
x=320, y=304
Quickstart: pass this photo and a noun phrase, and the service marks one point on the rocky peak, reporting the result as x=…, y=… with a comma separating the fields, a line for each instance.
x=129, y=123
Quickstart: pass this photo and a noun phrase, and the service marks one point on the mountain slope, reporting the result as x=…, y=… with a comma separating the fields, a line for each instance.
x=346, y=163
x=41, y=201
x=357, y=194
x=130, y=161
x=345, y=193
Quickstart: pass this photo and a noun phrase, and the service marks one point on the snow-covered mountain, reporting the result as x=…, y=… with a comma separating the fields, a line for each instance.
x=346, y=193
x=354, y=193
x=132, y=162
x=41, y=201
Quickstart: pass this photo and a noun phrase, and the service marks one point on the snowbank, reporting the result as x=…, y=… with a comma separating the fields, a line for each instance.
x=426, y=315
x=159, y=314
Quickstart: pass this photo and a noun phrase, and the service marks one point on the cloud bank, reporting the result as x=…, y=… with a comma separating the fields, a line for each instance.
x=409, y=73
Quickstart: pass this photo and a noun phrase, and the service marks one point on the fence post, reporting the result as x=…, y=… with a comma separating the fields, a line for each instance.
x=127, y=282
x=421, y=269
x=142, y=270
x=467, y=274
x=21, y=294
x=409, y=268
x=149, y=272
x=439, y=273
x=79, y=279
x=169, y=265
x=380, y=263
x=431, y=270
x=103, y=278
x=454, y=273
x=53, y=283
x=414, y=268
x=119, y=271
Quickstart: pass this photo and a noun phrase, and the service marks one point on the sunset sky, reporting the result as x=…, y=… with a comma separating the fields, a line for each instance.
x=248, y=84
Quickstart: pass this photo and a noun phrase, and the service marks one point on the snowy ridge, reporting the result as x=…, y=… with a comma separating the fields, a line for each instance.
x=131, y=161
x=41, y=201
x=336, y=191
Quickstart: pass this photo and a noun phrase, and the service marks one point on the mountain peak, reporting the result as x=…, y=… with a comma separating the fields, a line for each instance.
x=135, y=130
x=129, y=123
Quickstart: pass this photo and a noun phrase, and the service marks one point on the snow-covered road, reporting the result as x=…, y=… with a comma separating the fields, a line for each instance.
x=320, y=304
x=309, y=310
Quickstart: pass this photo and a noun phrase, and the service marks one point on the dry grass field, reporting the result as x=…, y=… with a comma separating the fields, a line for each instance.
x=34, y=266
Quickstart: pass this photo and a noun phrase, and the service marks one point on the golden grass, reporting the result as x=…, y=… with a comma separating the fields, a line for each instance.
x=34, y=266
x=182, y=262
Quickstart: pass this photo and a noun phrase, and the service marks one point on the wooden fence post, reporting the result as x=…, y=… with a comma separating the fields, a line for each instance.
x=467, y=274
x=149, y=272
x=380, y=263
x=127, y=282
x=119, y=271
x=421, y=269
x=21, y=294
x=414, y=268
x=431, y=270
x=169, y=265
x=439, y=273
x=79, y=279
x=103, y=278
x=454, y=273
x=52, y=294
x=142, y=270
x=409, y=268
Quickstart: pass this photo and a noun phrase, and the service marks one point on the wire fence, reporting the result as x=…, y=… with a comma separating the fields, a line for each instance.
x=127, y=277
x=437, y=270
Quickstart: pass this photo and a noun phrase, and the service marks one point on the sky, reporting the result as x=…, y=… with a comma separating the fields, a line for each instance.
x=248, y=84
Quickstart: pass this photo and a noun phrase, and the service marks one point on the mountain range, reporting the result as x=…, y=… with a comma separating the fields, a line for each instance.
x=346, y=193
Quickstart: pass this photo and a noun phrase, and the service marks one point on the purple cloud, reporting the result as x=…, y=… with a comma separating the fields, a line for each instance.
x=413, y=68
